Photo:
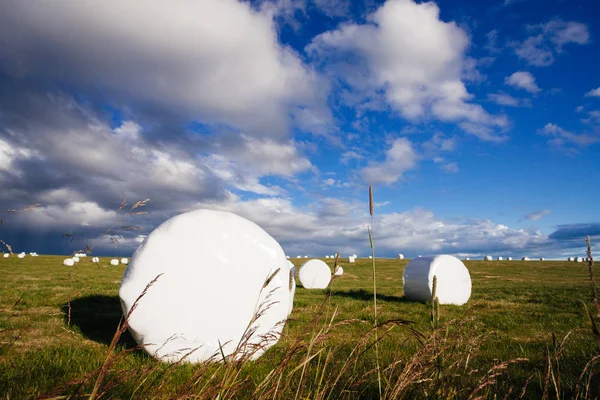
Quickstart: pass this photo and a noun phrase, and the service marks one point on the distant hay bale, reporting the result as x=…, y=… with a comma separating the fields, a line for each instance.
x=351, y=259
x=305, y=256
x=579, y=259
x=400, y=256
x=114, y=261
x=487, y=258
x=76, y=259
x=314, y=274
x=541, y=258
x=298, y=256
x=509, y=258
x=525, y=259
x=370, y=256
x=326, y=256
x=453, y=279
x=95, y=260
x=500, y=258
x=354, y=255
x=21, y=255
x=124, y=261
x=6, y=255
x=69, y=262
x=339, y=271
x=467, y=259
x=571, y=259
x=288, y=257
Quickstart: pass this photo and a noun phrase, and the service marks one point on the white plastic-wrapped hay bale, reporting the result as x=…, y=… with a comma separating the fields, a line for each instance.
x=467, y=259
x=95, y=260
x=487, y=258
x=114, y=261
x=124, y=261
x=288, y=257
x=453, y=279
x=351, y=259
x=76, y=259
x=500, y=258
x=541, y=258
x=509, y=258
x=579, y=259
x=314, y=274
x=326, y=256
x=339, y=271
x=219, y=271
x=370, y=256
x=400, y=256
x=6, y=255
x=21, y=255
x=69, y=262
x=525, y=259
x=354, y=255
x=298, y=256
x=571, y=259
x=332, y=256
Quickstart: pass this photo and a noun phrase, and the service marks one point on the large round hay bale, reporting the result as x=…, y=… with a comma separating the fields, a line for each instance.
x=114, y=261
x=219, y=272
x=314, y=274
x=339, y=271
x=487, y=258
x=525, y=259
x=500, y=258
x=579, y=259
x=453, y=279
x=6, y=255
x=69, y=262
x=400, y=256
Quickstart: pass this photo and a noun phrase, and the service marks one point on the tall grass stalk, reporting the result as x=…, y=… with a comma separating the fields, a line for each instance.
x=370, y=229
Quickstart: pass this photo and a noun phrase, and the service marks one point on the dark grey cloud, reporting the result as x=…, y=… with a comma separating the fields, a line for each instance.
x=576, y=232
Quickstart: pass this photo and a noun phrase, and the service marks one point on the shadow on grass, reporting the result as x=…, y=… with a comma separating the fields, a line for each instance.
x=97, y=317
x=361, y=294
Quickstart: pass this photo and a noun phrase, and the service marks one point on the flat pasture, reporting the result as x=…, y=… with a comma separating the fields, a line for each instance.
x=57, y=322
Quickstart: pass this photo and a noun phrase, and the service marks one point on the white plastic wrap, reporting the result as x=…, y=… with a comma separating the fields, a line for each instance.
x=219, y=270
x=453, y=279
x=69, y=262
x=114, y=261
x=314, y=274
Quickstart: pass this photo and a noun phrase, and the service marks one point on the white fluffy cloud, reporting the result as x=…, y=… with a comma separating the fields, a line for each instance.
x=540, y=49
x=399, y=158
x=336, y=225
x=561, y=136
x=523, y=80
x=594, y=93
x=417, y=60
x=218, y=61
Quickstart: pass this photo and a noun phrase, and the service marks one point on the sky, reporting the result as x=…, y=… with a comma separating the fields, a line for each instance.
x=477, y=123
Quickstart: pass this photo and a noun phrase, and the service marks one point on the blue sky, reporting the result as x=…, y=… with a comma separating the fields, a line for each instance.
x=477, y=123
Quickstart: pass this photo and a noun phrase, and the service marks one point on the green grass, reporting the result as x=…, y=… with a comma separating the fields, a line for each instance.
x=514, y=309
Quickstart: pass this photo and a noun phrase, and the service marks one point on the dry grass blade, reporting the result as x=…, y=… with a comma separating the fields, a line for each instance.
x=371, y=204
x=120, y=330
x=7, y=247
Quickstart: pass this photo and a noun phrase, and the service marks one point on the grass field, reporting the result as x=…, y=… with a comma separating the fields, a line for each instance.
x=57, y=322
